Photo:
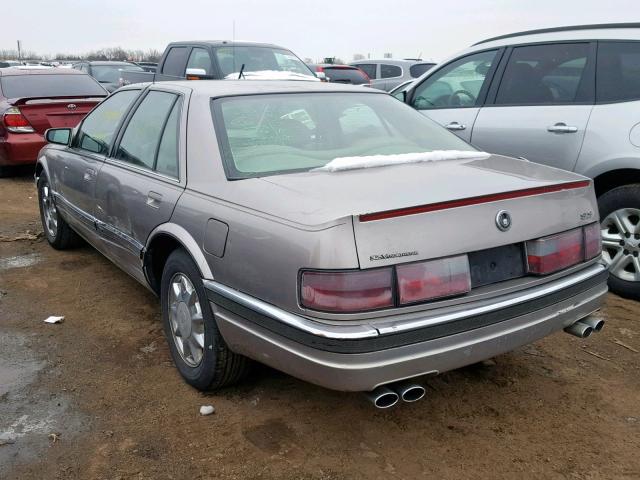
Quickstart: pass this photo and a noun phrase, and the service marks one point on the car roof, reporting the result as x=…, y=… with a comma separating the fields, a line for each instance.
x=332, y=65
x=222, y=88
x=607, y=31
x=388, y=61
x=6, y=72
x=224, y=43
x=107, y=62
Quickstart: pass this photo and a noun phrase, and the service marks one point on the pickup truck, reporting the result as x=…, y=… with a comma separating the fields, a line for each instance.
x=216, y=60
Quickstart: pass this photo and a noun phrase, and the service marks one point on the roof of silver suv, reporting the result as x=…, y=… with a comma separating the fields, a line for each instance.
x=601, y=26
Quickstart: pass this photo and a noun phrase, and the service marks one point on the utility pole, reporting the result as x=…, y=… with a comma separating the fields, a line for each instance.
x=19, y=50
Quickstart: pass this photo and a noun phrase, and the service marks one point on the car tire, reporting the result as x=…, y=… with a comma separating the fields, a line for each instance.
x=215, y=366
x=621, y=199
x=56, y=230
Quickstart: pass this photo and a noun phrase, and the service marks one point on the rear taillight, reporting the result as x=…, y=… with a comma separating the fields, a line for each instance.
x=354, y=291
x=15, y=122
x=557, y=252
x=443, y=277
x=592, y=241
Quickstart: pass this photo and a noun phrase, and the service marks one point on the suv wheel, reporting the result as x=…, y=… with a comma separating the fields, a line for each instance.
x=198, y=350
x=620, y=224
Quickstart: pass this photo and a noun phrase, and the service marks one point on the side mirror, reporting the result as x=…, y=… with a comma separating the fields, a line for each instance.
x=59, y=136
x=196, y=74
x=322, y=76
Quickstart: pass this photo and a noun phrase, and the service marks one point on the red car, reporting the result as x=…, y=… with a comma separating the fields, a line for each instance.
x=32, y=101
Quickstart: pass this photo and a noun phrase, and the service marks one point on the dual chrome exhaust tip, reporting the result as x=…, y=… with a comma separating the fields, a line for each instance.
x=585, y=327
x=388, y=395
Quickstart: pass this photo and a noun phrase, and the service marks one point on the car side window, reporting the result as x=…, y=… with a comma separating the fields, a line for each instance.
x=390, y=71
x=174, y=63
x=369, y=69
x=457, y=84
x=139, y=143
x=167, y=161
x=618, y=72
x=545, y=75
x=200, y=58
x=98, y=128
x=419, y=68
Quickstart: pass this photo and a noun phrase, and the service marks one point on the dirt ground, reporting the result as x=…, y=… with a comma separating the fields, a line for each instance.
x=97, y=397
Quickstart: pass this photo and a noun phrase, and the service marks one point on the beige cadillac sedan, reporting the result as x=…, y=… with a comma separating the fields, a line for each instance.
x=328, y=231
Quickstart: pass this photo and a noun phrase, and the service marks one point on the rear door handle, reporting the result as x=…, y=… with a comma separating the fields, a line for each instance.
x=562, y=128
x=455, y=126
x=154, y=199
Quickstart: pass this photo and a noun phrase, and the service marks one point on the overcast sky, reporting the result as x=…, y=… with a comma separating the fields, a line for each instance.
x=315, y=29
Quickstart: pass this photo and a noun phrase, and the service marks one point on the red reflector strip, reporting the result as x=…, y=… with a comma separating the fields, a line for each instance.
x=494, y=197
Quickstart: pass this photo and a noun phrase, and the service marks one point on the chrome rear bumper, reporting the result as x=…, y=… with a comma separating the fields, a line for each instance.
x=360, y=359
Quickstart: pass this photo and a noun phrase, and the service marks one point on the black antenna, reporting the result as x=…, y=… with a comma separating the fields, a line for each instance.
x=241, y=72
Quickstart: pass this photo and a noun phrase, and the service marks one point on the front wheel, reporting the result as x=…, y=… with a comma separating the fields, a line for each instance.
x=620, y=226
x=57, y=231
x=197, y=347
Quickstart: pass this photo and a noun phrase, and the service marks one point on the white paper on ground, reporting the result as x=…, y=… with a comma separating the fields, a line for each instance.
x=370, y=161
x=54, y=319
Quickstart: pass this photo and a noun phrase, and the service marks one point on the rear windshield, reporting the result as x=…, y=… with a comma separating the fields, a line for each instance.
x=263, y=135
x=21, y=86
x=345, y=75
x=111, y=73
x=258, y=59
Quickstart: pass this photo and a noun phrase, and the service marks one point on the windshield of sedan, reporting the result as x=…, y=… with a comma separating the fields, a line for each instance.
x=111, y=73
x=258, y=59
x=263, y=135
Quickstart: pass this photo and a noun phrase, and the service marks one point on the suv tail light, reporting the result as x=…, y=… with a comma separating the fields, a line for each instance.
x=15, y=122
x=354, y=291
x=443, y=277
x=592, y=241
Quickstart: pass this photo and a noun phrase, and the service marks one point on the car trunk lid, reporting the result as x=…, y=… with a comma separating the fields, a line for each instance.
x=412, y=212
x=43, y=113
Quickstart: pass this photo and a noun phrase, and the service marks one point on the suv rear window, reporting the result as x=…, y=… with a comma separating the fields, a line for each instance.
x=618, y=76
x=24, y=86
x=345, y=75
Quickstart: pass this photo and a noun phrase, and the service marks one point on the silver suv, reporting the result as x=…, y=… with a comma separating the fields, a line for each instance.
x=567, y=97
x=388, y=73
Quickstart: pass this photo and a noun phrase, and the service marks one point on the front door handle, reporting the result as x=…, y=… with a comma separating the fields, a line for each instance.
x=89, y=175
x=154, y=199
x=455, y=126
x=561, y=127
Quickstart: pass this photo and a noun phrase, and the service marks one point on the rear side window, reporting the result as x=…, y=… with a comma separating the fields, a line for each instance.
x=419, y=68
x=141, y=139
x=618, y=74
x=390, y=71
x=545, y=75
x=346, y=75
x=369, y=69
x=200, y=58
x=24, y=86
x=97, y=130
x=175, y=62
x=167, y=161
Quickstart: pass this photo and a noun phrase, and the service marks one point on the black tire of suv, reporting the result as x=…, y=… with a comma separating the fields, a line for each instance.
x=615, y=199
x=219, y=367
x=65, y=238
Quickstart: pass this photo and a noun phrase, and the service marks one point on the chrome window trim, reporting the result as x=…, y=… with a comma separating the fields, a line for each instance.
x=366, y=330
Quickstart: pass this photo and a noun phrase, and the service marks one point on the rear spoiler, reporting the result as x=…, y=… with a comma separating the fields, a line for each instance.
x=62, y=99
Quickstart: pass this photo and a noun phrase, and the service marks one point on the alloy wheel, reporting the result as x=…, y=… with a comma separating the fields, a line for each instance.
x=49, y=211
x=621, y=243
x=186, y=320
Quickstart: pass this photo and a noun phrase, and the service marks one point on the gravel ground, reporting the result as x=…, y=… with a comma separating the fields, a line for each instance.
x=97, y=396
